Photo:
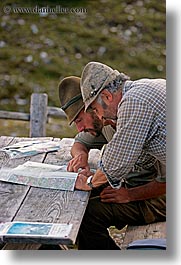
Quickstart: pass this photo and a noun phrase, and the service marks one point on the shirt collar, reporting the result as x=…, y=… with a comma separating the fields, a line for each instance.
x=127, y=86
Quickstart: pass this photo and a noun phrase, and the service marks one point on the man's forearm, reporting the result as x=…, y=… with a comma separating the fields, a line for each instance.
x=151, y=190
x=80, y=158
x=79, y=149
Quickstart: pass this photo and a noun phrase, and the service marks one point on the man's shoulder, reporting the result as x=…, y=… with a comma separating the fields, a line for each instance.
x=151, y=92
x=84, y=135
x=144, y=83
x=90, y=141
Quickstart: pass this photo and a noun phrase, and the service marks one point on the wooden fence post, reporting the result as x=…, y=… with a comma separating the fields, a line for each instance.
x=38, y=115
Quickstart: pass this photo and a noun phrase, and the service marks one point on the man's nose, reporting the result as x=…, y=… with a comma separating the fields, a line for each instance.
x=80, y=127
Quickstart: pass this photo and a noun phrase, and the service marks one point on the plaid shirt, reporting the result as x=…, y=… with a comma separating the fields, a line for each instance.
x=140, y=138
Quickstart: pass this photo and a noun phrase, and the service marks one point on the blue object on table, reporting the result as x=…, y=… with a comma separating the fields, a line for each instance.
x=152, y=244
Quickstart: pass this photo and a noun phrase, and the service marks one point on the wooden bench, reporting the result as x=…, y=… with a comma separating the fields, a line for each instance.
x=150, y=231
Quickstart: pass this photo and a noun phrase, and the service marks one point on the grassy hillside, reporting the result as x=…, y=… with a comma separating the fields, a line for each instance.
x=38, y=50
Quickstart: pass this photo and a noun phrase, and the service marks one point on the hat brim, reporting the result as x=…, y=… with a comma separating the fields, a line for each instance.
x=74, y=117
x=89, y=101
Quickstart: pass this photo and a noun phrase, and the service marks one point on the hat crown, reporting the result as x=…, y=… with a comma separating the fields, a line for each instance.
x=70, y=97
x=95, y=77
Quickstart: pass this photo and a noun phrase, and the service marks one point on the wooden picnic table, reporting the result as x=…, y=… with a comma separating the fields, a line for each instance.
x=32, y=204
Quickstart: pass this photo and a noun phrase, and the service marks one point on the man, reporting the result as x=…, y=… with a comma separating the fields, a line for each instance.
x=68, y=92
x=92, y=134
x=139, y=109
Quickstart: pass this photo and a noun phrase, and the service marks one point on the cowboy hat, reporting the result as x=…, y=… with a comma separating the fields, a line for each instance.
x=70, y=97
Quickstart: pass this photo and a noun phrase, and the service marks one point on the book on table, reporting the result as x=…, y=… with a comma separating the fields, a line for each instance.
x=34, y=230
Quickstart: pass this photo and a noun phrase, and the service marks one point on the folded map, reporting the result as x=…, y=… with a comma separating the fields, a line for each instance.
x=40, y=175
x=30, y=148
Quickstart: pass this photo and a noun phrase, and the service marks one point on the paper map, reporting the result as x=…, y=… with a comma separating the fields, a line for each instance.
x=30, y=148
x=40, y=175
x=35, y=229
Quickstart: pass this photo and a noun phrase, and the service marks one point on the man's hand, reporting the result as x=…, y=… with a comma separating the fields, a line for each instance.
x=150, y=190
x=78, y=162
x=81, y=183
x=98, y=179
x=110, y=195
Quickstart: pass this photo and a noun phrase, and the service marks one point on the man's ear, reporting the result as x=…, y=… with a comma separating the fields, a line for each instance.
x=106, y=96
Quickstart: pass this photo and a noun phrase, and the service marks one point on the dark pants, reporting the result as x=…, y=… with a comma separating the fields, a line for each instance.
x=100, y=216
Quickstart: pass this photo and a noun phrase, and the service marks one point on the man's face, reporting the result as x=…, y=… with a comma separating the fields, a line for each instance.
x=88, y=122
x=104, y=112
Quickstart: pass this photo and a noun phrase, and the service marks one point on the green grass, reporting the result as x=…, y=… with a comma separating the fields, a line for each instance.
x=127, y=35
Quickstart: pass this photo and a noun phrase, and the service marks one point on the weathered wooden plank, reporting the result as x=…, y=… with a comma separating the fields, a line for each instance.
x=21, y=246
x=52, y=112
x=8, y=192
x=154, y=230
x=55, y=112
x=77, y=201
x=13, y=115
x=38, y=115
x=12, y=195
x=53, y=206
x=11, y=198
